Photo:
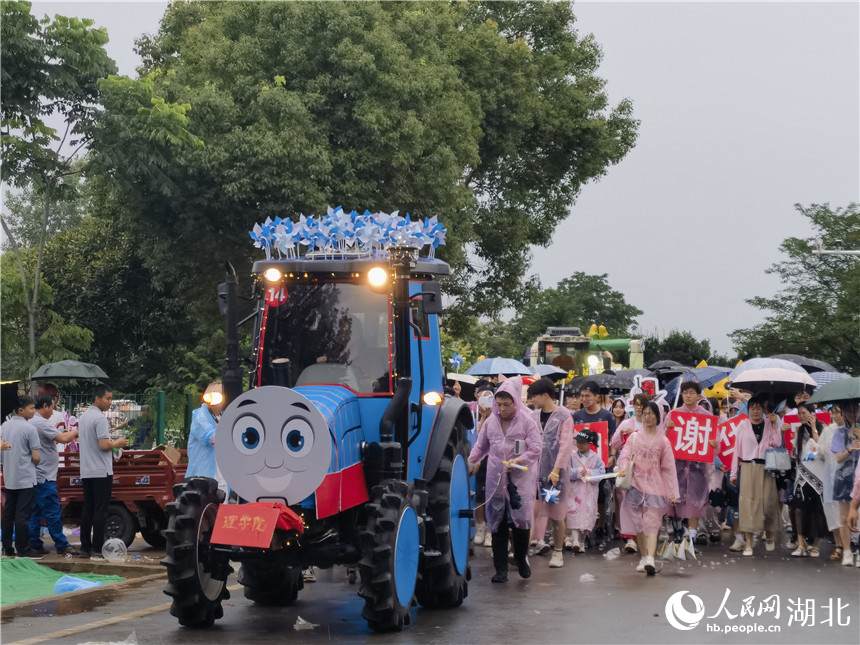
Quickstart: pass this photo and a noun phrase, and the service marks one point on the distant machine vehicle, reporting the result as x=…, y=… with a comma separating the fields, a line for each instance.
x=568, y=348
x=344, y=447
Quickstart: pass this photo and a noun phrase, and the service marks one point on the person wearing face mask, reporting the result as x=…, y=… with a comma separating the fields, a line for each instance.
x=758, y=501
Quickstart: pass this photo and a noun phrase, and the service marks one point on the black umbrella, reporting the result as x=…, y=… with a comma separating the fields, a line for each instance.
x=69, y=369
x=667, y=364
x=809, y=364
x=633, y=373
x=608, y=382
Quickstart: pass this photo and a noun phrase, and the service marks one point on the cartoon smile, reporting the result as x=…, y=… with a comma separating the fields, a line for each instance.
x=274, y=484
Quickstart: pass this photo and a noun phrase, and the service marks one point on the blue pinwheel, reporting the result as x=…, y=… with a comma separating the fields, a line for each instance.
x=456, y=361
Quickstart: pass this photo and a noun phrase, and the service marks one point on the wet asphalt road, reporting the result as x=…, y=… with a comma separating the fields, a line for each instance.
x=553, y=606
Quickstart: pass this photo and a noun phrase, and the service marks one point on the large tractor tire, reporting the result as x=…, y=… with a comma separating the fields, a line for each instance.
x=390, y=552
x=444, y=577
x=153, y=532
x=196, y=594
x=270, y=584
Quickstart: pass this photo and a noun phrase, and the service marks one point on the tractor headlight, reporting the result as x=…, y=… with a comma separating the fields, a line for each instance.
x=377, y=277
x=272, y=274
x=432, y=398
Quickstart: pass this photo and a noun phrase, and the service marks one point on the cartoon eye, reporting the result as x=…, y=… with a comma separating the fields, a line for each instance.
x=248, y=434
x=298, y=437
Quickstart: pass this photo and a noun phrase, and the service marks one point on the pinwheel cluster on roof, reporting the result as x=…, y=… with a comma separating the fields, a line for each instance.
x=339, y=233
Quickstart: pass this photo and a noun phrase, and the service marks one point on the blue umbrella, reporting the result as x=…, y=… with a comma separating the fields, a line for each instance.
x=550, y=371
x=763, y=363
x=706, y=376
x=493, y=366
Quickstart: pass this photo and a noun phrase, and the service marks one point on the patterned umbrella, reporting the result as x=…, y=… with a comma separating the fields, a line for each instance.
x=828, y=377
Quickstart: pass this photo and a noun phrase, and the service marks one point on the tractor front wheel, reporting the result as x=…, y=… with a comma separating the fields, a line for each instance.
x=196, y=594
x=389, y=565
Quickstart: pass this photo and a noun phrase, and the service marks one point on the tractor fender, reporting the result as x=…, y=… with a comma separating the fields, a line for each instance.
x=451, y=411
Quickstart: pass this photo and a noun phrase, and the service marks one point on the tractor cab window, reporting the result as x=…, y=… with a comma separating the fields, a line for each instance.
x=332, y=333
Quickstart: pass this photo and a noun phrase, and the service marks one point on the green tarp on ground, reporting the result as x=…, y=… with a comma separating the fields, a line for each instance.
x=23, y=579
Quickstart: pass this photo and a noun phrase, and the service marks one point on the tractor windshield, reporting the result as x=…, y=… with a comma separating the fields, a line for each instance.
x=332, y=333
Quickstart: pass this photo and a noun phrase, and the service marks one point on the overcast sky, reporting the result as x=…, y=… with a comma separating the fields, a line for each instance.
x=746, y=109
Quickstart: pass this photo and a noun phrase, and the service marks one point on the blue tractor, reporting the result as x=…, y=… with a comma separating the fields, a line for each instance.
x=343, y=451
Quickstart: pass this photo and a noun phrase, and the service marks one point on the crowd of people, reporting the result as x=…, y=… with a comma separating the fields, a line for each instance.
x=543, y=485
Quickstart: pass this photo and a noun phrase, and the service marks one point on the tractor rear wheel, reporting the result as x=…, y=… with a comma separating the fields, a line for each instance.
x=196, y=594
x=389, y=566
x=444, y=577
x=269, y=584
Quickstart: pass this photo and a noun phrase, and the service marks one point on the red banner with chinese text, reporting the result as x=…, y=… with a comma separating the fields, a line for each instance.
x=691, y=436
x=727, y=435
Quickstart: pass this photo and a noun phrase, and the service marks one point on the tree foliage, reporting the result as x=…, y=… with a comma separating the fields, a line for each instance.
x=579, y=300
x=58, y=340
x=488, y=115
x=50, y=69
x=685, y=348
x=817, y=312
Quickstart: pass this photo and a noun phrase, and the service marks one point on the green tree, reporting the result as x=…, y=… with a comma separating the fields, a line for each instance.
x=57, y=339
x=817, y=312
x=24, y=212
x=50, y=69
x=679, y=346
x=489, y=115
x=579, y=300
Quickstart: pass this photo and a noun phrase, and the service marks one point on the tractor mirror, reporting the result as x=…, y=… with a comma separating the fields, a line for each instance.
x=431, y=294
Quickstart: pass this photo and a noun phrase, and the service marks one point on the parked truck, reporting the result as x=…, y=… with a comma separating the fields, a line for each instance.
x=344, y=446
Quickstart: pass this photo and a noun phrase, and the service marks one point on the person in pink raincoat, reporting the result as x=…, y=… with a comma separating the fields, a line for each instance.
x=556, y=426
x=582, y=510
x=510, y=438
x=693, y=480
x=758, y=500
x=622, y=433
x=654, y=485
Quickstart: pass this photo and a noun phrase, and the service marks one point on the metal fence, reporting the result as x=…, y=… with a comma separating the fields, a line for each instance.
x=146, y=419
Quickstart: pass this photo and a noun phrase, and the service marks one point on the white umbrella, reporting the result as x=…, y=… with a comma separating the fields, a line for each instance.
x=774, y=380
x=463, y=378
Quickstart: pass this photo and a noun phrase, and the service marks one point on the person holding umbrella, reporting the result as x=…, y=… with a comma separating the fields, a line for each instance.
x=758, y=501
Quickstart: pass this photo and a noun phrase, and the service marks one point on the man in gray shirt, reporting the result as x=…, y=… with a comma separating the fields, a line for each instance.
x=19, y=477
x=96, y=448
x=47, y=504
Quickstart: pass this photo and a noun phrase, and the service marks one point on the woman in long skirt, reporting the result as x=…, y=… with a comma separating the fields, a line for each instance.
x=654, y=485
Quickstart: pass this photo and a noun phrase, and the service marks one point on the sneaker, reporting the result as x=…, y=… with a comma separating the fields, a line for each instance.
x=813, y=552
x=847, y=559
x=309, y=575
x=542, y=548
x=488, y=539
x=501, y=576
x=791, y=545
x=524, y=568
x=748, y=550
x=480, y=534
x=568, y=543
x=578, y=547
x=68, y=550
x=737, y=545
x=9, y=553
x=770, y=545
x=631, y=547
x=557, y=559
x=800, y=552
x=701, y=539
x=641, y=566
x=650, y=569
x=38, y=548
